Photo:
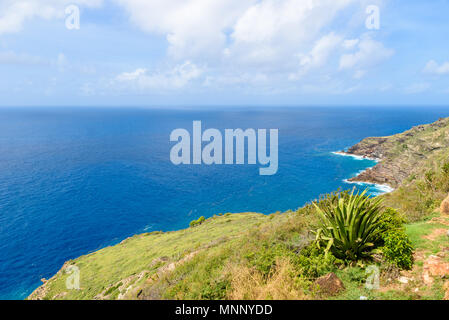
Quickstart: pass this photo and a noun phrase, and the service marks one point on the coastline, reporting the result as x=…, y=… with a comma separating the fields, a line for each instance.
x=382, y=188
x=356, y=157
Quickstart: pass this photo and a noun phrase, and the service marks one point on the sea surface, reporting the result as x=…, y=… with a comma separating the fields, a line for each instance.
x=74, y=180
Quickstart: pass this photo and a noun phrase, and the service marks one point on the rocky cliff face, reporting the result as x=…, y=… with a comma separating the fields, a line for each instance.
x=402, y=154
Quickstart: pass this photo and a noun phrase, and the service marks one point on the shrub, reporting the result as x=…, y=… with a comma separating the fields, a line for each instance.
x=349, y=228
x=197, y=222
x=391, y=219
x=313, y=262
x=395, y=244
x=398, y=249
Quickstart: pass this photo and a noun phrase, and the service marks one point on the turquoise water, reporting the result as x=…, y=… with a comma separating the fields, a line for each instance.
x=73, y=180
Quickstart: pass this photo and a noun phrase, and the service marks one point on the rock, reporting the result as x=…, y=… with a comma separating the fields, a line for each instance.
x=330, y=284
x=403, y=280
x=444, y=208
x=43, y=280
x=428, y=280
x=434, y=266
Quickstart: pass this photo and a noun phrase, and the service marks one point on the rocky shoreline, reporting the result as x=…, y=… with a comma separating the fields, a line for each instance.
x=400, y=155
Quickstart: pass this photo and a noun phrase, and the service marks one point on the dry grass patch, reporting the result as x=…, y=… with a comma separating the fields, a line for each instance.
x=282, y=284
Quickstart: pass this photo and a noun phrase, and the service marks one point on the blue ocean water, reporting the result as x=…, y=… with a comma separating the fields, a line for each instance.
x=73, y=180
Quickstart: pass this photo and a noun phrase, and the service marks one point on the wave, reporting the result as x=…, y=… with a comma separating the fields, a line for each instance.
x=356, y=157
x=378, y=189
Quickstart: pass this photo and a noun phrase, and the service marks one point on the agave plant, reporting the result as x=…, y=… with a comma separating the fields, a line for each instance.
x=349, y=228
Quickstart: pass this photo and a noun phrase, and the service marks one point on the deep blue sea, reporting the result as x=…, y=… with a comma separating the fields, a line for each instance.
x=73, y=180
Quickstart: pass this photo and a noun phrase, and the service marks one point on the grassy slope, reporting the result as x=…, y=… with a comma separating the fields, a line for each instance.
x=108, y=266
x=211, y=262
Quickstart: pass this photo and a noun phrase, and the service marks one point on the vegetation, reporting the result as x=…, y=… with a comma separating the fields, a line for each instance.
x=350, y=229
x=242, y=256
x=398, y=249
x=198, y=222
x=423, y=192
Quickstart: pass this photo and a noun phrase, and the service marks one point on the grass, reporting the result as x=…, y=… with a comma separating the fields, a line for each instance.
x=108, y=266
x=417, y=232
x=238, y=256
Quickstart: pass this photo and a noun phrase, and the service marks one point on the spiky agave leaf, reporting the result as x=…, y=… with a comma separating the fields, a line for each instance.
x=349, y=228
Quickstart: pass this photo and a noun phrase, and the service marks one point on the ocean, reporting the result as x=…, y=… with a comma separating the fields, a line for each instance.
x=74, y=180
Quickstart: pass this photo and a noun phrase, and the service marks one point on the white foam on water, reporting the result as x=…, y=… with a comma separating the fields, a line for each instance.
x=379, y=188
x=356, y=157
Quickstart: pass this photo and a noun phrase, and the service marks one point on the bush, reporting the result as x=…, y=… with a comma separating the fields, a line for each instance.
x=390, y=219
x=197, y=222
x=395, y=244
x=398, y=249
x=313, y=262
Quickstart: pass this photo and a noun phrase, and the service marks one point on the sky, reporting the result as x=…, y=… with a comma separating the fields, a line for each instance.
x=224, y=52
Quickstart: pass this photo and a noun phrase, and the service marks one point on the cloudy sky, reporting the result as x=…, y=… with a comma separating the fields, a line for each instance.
x=224, y=52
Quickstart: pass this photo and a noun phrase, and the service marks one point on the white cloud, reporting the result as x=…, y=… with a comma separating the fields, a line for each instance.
x=318, y=56
x=131, y=76
x=175, y=78
x=321, y=51
x=433, y=67
x=369, y=53
x=416, y=88
x=11, y=57
x=192, y=27
x=259, y=43
x=248, y=30
x=241, y=79
x=14, y=13
x=350, y=43
x=275, y=31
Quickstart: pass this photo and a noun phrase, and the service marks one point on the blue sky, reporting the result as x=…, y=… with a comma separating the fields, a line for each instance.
x=224, y=52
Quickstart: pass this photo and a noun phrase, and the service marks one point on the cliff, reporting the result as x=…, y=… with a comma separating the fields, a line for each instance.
x=403, y=154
